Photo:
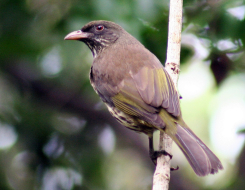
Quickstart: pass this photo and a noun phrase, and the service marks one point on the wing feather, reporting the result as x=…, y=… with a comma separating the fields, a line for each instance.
x=157, y=89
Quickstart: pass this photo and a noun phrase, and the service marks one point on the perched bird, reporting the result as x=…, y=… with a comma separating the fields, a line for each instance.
x=139, y=92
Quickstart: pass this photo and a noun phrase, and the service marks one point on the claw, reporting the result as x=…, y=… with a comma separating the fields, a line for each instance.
x=156, y=154
x=173, y=169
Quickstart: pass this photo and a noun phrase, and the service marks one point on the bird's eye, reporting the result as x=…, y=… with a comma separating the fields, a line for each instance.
x=100, y=28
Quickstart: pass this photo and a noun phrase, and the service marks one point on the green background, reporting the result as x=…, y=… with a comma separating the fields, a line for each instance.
x=56, y=134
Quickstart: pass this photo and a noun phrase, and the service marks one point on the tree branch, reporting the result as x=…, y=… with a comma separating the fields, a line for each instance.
x=161, y=176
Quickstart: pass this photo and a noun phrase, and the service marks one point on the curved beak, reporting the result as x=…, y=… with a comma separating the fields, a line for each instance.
x=76, y=35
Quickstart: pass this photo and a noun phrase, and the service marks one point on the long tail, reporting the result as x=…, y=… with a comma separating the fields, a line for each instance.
x=201, y=158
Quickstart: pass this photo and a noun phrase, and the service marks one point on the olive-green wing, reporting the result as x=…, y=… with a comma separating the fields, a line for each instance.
x=130, y=102
x=157, y=89
x=150, y=89
x=145, y=93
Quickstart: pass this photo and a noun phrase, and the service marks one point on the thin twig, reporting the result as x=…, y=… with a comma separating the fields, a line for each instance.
x=162, y=173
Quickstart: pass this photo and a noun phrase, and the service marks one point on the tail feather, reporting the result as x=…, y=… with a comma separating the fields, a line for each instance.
x=200, y=157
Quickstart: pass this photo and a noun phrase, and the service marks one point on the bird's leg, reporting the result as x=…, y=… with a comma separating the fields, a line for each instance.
x=155, y=154
x=151, y=149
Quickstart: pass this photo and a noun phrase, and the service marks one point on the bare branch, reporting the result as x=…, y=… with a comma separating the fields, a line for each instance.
x=162, y=173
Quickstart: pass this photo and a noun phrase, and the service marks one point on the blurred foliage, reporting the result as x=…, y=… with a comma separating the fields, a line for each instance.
x=54, y=131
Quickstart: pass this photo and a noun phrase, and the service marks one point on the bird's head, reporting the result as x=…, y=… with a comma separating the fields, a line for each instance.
x=97, y=35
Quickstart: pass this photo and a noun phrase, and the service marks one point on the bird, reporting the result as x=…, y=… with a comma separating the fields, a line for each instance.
x=138, y=91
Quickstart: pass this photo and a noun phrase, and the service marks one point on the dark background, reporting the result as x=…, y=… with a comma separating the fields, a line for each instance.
x=56, y=134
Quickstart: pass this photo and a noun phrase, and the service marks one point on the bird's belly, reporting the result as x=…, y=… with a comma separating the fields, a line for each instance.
x=129, y=121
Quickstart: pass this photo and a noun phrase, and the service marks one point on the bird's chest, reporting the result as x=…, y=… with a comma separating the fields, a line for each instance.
x=106, y=77
x=105, y=84
x=100, y=80
x=94, y=78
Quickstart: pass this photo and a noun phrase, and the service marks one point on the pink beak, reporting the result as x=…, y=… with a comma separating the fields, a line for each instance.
x=76, y=35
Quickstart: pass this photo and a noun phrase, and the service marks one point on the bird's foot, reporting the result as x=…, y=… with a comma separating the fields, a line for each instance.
x=173, y=169
x=156, y=154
